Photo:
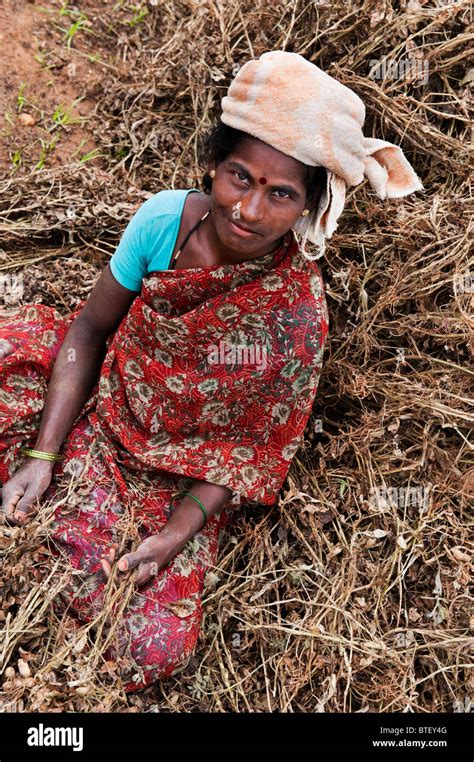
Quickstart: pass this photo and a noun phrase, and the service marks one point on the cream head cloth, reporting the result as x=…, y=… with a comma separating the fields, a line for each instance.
x=290, y=103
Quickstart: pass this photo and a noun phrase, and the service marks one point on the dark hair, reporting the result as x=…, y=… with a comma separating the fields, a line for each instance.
x=221, y=140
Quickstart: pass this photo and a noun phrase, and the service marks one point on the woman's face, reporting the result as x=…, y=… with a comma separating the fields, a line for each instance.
x=268, y=210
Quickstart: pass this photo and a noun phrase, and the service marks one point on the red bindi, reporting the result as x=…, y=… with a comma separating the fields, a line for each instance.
x=262, y=180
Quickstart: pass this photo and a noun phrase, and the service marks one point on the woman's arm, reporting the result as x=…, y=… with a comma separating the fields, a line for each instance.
x=78, y=363
x=187, y=518
x=75, y=371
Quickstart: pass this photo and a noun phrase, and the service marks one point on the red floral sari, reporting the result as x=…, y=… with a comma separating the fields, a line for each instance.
x=211, y=375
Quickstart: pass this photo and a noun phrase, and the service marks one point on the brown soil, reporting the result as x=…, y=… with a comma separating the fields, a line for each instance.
x=35, y=52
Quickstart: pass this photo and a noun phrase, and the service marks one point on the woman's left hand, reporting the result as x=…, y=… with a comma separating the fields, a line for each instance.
x=149, y=557
x=184, y=522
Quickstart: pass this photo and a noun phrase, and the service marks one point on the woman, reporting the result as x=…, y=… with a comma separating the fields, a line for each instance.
x=182, y=387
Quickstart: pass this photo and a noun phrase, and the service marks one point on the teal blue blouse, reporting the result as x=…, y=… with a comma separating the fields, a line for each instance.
x=149, y=239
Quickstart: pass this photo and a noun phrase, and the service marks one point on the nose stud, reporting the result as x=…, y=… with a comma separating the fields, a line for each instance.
x=236, y=210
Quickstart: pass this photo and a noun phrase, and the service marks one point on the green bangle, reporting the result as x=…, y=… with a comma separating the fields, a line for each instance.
x=41, y=454
x=181, y=494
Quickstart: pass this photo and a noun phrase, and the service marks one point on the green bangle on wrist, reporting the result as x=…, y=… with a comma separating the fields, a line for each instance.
x=41, y=454
x=181, y=494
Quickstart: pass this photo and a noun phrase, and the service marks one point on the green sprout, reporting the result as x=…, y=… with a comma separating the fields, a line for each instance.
x=64, y=11
x=120, y=153
x=79, y=21
x=16, y=160
x=95, y=154
x=20, y=98
x=72, y=12
x=42, y=58
x=79, y=147
x=140, y=13
x=70, y=33
x=46, y=149
x=62, y=115
x=342, y=487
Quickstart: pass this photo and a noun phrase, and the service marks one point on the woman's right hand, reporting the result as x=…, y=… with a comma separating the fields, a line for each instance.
x=27, y=484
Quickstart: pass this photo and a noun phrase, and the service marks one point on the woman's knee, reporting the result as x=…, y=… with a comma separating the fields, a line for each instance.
x=163, y=647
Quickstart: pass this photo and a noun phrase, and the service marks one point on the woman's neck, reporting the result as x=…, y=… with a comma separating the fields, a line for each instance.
x=223, y=255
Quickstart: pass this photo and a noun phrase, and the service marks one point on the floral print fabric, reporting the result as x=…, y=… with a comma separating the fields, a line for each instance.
x=211, y=375
x=214, y=373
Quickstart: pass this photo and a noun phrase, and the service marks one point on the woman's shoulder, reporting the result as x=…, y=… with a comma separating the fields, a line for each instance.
x=166, y=202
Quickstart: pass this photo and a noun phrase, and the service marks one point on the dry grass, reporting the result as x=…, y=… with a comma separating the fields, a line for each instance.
x=351, y=594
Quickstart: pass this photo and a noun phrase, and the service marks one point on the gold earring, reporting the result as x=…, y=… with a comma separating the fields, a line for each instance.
x=304, y=212
x=212, y=173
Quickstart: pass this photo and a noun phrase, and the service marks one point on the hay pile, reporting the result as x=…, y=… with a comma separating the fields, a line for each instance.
x=351, y=594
